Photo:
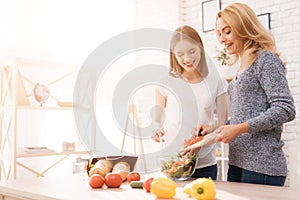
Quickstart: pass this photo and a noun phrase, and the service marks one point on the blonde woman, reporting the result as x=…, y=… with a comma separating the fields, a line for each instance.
x=260, y=99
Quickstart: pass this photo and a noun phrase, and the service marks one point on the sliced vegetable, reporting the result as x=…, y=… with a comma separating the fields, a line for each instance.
x=179, y=167
x=163, y=188
x=195, y=139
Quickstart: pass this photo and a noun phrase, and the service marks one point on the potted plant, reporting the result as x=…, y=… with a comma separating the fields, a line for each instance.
x=222, y=56
x=225, y=68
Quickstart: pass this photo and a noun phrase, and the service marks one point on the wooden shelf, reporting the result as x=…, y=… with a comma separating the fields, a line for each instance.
x=5, y=109
x=5, y=157
x=29, y=155
x=15, y=100
x=44, y=108
x=63, y=155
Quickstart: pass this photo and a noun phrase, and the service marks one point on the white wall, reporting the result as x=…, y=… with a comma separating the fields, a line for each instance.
x=156, y=14
x=3, y=28
x=35, y=28
x=55, y=32
x=285, y=26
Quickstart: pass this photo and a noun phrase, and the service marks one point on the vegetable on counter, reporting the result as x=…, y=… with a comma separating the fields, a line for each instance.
x=136, y=184
x=113, y=180
x=96, y=181
x=187, y=188
x=133, y=176
x=163, y=187
x=201, y=189
x=147, y=184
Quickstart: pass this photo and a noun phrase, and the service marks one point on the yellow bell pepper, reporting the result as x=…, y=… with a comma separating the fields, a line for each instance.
x=187, y=188
x=203, y=189
x=163, y=188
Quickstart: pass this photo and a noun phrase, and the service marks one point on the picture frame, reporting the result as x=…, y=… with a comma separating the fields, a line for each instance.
x=209, y=12
x=265, y=20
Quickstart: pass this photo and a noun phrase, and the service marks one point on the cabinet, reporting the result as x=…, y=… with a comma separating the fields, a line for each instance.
x=25, y=124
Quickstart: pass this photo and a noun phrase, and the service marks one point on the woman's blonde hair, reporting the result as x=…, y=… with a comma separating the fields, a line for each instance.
x=186, y=33
x=245, y=24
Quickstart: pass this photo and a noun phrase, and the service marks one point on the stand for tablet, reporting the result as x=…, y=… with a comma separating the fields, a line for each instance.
x=132, y=112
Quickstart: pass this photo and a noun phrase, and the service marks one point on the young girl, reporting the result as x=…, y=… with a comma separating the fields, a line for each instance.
x=188, y=63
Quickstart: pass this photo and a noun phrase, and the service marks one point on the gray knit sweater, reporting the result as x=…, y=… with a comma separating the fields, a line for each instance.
x=261, y=97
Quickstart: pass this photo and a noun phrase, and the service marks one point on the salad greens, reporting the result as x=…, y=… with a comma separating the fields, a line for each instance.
x=179, y=167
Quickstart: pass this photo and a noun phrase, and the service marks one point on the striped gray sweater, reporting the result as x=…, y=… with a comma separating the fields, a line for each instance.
x=261, y=97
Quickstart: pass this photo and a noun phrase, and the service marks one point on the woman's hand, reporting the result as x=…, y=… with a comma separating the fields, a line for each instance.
x=158, y=134
x=229, y=132
x=206, y=140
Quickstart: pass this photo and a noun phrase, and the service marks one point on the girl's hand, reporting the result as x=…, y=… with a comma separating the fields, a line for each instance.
x=190, y=150
x=201, y=129
x=158, y=134
x=205, y=140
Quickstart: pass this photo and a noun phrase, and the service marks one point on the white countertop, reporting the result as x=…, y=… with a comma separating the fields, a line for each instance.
x=76, y=186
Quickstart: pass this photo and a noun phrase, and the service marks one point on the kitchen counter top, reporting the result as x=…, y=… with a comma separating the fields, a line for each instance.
x=76, y=186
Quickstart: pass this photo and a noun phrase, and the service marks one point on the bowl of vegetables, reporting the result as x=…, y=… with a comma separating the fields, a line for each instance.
x=178, y=168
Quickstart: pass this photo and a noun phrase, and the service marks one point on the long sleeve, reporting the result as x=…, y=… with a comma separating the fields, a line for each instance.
x=281, y=109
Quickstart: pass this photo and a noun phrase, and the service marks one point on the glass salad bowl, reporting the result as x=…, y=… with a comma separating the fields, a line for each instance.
x=178, y=168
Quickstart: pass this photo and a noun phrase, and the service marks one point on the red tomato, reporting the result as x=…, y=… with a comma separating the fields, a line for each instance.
x=196, y=139
x=113, y=180
x=96, y=181
x=133, y=176
x=147, y=184
x=199, y=138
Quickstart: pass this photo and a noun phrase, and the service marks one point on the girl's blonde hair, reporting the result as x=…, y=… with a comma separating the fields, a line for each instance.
x=245, y=25
x=186, y=33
